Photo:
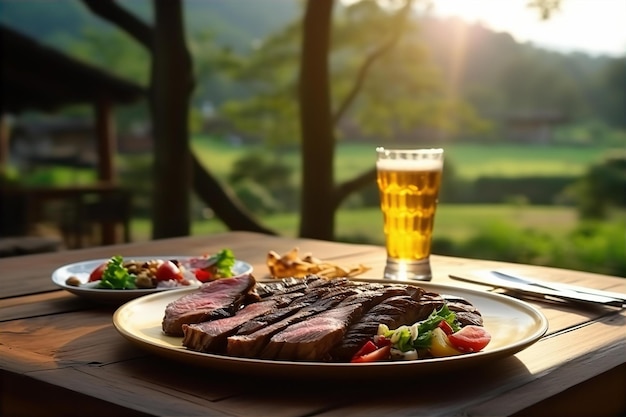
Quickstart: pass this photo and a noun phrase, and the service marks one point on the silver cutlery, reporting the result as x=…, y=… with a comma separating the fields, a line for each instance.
x=558, y=286
x=561, y=291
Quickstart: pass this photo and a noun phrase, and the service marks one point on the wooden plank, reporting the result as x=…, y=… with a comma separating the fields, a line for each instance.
x=41, y=304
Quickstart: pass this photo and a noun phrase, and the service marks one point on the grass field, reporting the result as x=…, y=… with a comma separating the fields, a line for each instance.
x=469, y=160
x=454, y=222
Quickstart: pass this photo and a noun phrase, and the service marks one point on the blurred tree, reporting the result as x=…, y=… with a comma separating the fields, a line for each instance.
x=602, y=187
x=614, y=81
x=175, y=168
x=344, y=86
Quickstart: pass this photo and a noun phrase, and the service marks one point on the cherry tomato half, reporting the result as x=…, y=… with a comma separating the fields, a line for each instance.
x=445, y=326
x=380, y=354
x=203, y=275
x=167, y=271
x=368, y=347
x=470, y=339
x=96, y=274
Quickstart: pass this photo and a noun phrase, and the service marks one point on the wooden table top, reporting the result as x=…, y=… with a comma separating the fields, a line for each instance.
x=61, y=355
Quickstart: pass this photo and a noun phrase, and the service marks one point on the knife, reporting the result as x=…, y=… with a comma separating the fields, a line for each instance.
x=494, y=280
x=558, y=286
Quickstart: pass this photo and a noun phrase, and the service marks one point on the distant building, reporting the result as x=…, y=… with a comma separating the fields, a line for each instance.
x=532, y=127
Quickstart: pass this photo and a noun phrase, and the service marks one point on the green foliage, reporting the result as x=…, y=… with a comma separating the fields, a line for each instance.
x=263, y=183
x=114, y=51
x=614, y=105
x=505, y=242
x=9, y=175
x=602, y=187
x=597, y=247
x=599, y=244
x=416, y=98
x=256, y=198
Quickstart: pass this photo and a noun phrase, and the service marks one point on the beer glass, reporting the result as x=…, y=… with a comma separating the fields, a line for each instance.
x=408, y=182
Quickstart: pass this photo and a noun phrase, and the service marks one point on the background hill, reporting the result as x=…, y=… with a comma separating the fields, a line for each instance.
x=235, y=23
x=498, y=76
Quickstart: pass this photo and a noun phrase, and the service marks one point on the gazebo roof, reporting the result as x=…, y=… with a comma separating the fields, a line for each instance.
x=37, y=77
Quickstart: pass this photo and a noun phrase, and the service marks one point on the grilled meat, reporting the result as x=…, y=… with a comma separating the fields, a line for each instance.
x=211, y=336
x=214, y=300
x=309, y=319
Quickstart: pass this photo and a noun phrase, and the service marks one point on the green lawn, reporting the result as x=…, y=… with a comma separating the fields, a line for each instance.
x=455, y=222
x=469, y=160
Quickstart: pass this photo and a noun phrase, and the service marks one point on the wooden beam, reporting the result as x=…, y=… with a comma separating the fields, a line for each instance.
x=106, y=147
x=106, y=140
x=4, y=143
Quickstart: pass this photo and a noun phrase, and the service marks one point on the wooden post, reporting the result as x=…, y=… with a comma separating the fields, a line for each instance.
x=106, y=148
x=106, y=140
x=4, y=143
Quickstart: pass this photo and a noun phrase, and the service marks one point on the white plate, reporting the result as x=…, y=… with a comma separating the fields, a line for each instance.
x=513, y=324
x=81, y=270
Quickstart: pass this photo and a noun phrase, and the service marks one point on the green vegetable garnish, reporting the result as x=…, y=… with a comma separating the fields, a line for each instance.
x=418, y=335
x=427, y=326
x=116, y=277
x=224, y=263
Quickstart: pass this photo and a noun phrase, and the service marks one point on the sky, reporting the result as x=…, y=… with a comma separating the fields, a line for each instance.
x=596, y=27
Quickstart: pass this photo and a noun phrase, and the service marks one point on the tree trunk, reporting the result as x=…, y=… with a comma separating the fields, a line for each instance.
x=171, y=89
x=318, y=142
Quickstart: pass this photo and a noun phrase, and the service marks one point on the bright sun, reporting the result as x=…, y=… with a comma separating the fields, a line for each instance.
x=594, y=26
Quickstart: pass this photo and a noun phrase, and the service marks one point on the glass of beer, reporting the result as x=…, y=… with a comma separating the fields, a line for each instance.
x=408, y=182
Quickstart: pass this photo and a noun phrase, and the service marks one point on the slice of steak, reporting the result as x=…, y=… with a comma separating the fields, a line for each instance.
x=313, y=338
x=268, y=319
x=284, y=286
x=250, y=345
x=394, y=312
x=371, y=297
x=318, y=294
x=465, y=312
x=290, y=285
x=211, y=336
x=213, y=300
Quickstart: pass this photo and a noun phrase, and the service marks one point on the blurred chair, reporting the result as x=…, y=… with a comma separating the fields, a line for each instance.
x=98, y=219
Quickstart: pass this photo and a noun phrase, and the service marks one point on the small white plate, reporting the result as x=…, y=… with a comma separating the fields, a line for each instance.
x=513, y=324
x=81, y=270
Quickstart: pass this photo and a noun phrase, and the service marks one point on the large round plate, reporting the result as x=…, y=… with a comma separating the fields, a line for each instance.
x=513, y=324
x=81, y=270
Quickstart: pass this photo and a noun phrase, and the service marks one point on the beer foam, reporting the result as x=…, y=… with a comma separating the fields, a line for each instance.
x=409, y=164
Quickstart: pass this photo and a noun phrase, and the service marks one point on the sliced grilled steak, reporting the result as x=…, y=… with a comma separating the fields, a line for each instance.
x=310, y=319
x=215, y=299
x=465, y=312
x=250, y=345
x=313, y=338
x=211, y=336
x=394, y=312
x=268, y=319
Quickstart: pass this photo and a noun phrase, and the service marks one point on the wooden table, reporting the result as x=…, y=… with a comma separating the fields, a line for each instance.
x=60, y=355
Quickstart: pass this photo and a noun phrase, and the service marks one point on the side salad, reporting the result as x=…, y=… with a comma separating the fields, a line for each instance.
x=124, y=274
x=439, y=335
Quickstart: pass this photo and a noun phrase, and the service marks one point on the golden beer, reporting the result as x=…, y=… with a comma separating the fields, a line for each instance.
x=409, y=188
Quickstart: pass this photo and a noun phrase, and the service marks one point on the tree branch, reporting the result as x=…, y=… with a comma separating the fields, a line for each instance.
x=369, y=61
x=111, y=11
x=344, y=189
x=225, y=206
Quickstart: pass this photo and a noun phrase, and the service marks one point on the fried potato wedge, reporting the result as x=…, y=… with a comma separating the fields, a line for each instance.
x=290, y=264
